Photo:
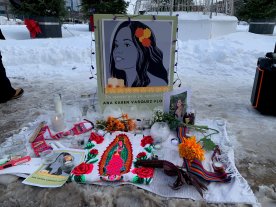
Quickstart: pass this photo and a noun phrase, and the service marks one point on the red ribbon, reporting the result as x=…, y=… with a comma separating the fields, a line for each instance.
x=33, y=27
x=92, y=23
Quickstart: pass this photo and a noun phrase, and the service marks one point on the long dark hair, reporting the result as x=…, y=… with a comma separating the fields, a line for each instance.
x=149, y=58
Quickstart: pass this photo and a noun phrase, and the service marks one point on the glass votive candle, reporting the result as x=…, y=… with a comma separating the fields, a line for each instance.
x=139, y=124
x=146, y=123
x=160, y=132
x=189, y=117
x=57, y=121
x=78, y=142
x=84, y=104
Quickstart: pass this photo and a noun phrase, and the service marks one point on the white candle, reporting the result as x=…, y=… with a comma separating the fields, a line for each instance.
x=58, y=104
x=121, y=82
x=112, y=82
x=57, y=122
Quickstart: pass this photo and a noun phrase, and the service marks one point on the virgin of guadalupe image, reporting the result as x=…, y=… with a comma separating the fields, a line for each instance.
x=135, y=59
x=116, y=159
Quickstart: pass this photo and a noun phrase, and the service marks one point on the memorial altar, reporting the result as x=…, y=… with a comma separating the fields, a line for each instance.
x=137, y=129
x=97, y=162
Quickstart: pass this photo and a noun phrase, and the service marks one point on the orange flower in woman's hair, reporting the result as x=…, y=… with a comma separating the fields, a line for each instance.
x=146, y=42
x=191, y=150
x=147, y=33
x=139, y=32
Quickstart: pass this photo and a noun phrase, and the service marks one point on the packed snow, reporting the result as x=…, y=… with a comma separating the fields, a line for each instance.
x=220, y=72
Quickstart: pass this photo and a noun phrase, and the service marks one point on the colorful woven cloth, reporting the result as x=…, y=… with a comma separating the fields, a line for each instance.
x=112, y=158
x=196, y=168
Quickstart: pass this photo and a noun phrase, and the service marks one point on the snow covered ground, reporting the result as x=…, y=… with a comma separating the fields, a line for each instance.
x=220, y=72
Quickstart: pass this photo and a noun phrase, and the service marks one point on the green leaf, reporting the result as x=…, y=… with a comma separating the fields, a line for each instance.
x=138, y=180
x=90, y=156
x=70, y=178
x=208, y=144
x=92, y=161
x=89, y=145
x=79, y=178
x=148, y=149
x=148, y=180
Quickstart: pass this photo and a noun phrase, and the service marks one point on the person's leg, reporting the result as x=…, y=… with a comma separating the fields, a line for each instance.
x=6, y=90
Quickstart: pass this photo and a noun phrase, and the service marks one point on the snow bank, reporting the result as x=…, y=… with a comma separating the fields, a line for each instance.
x=196, y=25
x=5, y=21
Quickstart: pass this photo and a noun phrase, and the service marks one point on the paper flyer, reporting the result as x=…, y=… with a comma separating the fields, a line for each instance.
x=56, y=174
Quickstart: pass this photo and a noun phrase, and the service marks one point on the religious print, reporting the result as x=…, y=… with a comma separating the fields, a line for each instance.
x=135, y=58
x=117, y=159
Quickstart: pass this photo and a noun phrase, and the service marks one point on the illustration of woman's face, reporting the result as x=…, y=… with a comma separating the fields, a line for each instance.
x=68, y=158
x=179, y=103
x=125, y=53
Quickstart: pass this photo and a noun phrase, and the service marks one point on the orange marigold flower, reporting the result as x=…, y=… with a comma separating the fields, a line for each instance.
x=116, y=121
x=131, y=125
x=139, y=32
x=191, y=150
x=125, y=116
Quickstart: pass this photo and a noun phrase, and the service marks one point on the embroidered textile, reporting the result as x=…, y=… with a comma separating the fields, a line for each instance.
x=113, y=157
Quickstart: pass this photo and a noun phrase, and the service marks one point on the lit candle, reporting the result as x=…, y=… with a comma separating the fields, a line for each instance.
x=58, y=103
x=57, y=122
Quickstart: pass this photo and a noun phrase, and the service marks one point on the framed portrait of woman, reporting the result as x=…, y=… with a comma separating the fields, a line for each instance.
x=176, y=102
x=135, y=57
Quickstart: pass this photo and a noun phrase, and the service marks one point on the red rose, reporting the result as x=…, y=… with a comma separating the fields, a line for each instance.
x=141, y=154
x=146, y=140
x=143, y=172
x=82, y=168
x=94, y=152
x=96, y=138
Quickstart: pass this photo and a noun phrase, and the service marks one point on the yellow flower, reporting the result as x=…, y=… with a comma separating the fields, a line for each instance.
x=147, y=33
x=191, y=150
x=141, y=38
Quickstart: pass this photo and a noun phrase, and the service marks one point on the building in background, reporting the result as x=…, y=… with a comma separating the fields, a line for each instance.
x=73, y=8
x=206, y=6
x=73, y=5
x=4, y=8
